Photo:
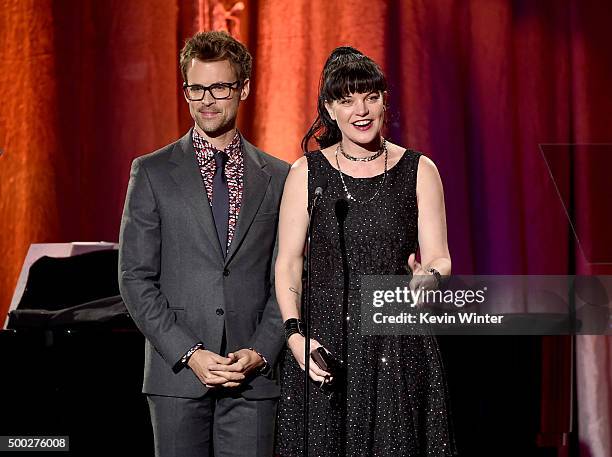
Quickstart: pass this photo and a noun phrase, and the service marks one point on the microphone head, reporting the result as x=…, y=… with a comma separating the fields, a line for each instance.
x=320, y=186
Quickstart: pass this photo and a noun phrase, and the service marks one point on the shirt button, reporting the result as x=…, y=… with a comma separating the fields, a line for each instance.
x=226, y=272
x=219, y=312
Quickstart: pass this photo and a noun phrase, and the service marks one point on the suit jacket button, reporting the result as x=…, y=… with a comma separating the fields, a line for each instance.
x=226, y=272
x=219, y=312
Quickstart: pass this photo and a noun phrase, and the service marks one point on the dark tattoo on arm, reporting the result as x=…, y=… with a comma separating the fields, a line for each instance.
x=295, y=291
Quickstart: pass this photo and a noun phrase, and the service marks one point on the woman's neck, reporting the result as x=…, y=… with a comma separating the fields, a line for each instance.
x=361, y=150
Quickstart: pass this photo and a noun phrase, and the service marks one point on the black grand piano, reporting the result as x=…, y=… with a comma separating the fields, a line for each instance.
x=72, y=359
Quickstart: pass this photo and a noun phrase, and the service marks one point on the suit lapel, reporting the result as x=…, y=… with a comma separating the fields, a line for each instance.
x=187, y=176
x=256, y=180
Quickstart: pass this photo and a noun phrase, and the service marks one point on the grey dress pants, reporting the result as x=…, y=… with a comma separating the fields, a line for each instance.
x=217, y=424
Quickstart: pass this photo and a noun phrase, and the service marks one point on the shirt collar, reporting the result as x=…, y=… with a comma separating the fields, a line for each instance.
x=202, y=145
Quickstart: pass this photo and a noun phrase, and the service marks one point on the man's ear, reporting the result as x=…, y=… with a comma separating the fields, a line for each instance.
x=245, y=89
x=330, y=111
x=183, y=91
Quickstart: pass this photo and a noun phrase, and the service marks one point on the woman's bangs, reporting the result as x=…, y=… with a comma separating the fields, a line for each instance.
x=355, y=78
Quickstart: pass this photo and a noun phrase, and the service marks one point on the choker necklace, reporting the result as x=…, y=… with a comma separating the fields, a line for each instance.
x=380, y=186
x=363, y=159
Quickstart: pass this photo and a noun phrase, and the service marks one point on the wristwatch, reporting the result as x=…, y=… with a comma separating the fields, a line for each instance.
x=266, y=368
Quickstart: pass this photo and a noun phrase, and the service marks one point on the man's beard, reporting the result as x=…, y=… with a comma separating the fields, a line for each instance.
x=216, y=127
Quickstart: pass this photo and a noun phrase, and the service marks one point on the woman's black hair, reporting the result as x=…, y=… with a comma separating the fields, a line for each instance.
x=346, y=71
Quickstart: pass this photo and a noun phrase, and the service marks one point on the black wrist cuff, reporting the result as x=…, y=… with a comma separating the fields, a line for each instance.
x=293, y=326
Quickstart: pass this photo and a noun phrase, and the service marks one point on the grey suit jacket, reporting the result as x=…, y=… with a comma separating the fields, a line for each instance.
x=175, y=282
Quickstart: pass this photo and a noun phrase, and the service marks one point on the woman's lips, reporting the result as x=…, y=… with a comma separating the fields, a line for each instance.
x=361, y=126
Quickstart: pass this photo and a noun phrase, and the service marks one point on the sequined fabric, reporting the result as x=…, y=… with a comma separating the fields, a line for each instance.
x=395, y=401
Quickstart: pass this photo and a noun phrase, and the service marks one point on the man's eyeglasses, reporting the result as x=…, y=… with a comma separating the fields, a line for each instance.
x=219, y=91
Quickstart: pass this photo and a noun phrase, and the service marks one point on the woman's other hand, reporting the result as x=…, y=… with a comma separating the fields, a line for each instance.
x=421, y=279
x=296, y=343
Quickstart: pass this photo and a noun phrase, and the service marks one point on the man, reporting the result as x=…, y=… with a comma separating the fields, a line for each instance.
x=196, y=261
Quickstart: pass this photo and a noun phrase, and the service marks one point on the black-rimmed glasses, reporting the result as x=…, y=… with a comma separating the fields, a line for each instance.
x=218, y=91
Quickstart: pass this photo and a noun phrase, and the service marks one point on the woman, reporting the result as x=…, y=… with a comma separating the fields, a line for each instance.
x=371, y=216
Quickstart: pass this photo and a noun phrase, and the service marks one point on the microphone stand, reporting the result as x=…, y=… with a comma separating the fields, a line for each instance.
x=318, y=193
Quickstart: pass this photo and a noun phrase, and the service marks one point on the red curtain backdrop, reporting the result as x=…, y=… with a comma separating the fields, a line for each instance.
x=85, y=86
x=477, y=85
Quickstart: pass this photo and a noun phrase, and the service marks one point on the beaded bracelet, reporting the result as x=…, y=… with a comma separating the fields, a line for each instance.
x=190, y=352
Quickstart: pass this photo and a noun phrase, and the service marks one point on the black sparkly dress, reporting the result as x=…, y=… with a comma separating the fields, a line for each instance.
x=395, y=402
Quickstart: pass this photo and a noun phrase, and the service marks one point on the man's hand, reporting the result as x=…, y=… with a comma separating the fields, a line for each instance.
x=200, y=362
x=243, y=362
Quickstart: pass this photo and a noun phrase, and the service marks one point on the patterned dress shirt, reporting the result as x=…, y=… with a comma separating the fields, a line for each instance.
x=234, y=174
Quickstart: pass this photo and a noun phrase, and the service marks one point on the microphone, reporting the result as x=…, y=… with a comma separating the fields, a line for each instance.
x=320, y=186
